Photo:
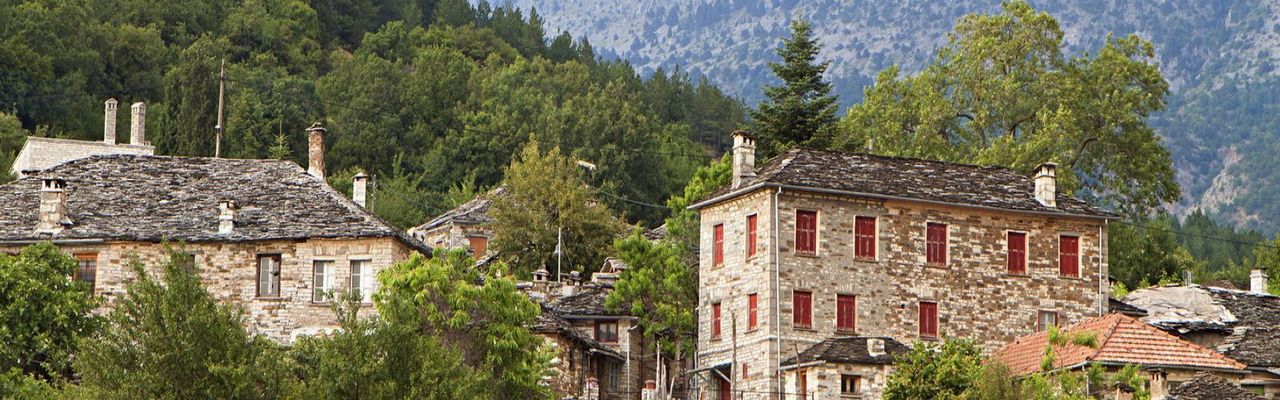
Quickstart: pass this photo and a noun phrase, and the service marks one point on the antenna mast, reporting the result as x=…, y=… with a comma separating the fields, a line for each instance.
x=222, y=89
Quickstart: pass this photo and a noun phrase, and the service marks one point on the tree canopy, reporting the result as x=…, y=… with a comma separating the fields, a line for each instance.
x=42, y=312
x=802, y=110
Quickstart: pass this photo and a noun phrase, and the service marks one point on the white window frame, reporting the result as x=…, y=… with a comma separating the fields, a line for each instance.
x=322, y=283
x=368, y=284
x=278, y=259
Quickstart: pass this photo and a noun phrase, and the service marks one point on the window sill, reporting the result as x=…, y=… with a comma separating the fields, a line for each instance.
x=319, y=303
x=806, y=255
x=937, y=266
x=847, y=332
x=872, y=260
x=715, y=339
x=270, y=298
x=803, y=328
x=1014, y=275
x=929, y=338
x=1069, y=277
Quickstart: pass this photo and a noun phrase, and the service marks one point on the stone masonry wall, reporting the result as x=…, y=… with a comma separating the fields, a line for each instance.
x=452, y=235
x=823, y=381
x=976, y=298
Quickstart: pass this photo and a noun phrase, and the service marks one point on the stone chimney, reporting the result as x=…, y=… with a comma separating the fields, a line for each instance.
x=53, y=206
x=875, y=347
x=1047, y=184
x=109, y=122
x=138, y=125
x=315, y=150
x=744, y=157
x=360, y=188
x=227, y=216
x=1257, y=281
x=570, y=287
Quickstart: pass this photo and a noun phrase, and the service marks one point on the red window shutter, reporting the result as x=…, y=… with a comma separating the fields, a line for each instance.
x=928, y=319
x=717, y=249
x=864, y=241
x=846, y=313
x=752, y=307
x=751, y=236
x=1069, y=256
x=803, y=314
x=936, y=244
x=715, y=320
x=807, y=232
x=745, y=370
x=1017, y=253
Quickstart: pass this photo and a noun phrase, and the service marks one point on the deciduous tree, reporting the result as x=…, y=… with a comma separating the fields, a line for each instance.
x=42, y=312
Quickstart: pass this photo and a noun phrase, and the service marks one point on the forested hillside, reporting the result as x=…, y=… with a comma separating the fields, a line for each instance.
x=433, y=97
x=1222, y=123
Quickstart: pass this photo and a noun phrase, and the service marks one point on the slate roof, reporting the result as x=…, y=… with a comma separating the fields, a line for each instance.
x=156, y=198
x=1121, y=339
x=1250, y=321
x=549, y=322
x=905, y=178
x=40, y=153
x=472, y=212
x=849, y=350
x=1125, y=308
x=587, y=303
x=1206, y=386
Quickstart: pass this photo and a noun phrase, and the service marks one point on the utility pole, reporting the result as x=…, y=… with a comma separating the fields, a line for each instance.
x=222, y=90
x=559, y=249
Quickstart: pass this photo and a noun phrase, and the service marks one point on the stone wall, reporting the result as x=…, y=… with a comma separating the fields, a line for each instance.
x=976, y=298
x=638, y=364
x=823, y=381
x=452, y=235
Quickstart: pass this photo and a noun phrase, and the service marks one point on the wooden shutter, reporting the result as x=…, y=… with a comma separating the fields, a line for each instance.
x=751, y=235
x=936, y=244
x=864, y=242
x=717, y=249
x=846, y=313
x=479, y=244
x=928, y=319
x=807, y=232
x=802, y=315
x=1017, y=253
x=752, y=308
x=269, y=275
x=802, y=384
x=715, y=320
x=1069, y=256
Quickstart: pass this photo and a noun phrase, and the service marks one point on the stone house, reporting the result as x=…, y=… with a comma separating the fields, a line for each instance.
x=1207, y=386
x=41, y=153
x=817, y=244
x=852, y=367
x=265, y=234
x=466, y=226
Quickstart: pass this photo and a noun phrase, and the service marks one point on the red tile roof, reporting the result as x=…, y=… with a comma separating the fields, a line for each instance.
x=1121, y=339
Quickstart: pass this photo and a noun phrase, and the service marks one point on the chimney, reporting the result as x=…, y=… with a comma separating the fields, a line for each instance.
x=1257, y=281
x=315, y=150
x=875, y=347
x=227, y=216
x=53, y=206
x=1047, y=184
x=744, y=157
x=109, y=122
x=570, y=288
x=138, y=125
x=359, y=188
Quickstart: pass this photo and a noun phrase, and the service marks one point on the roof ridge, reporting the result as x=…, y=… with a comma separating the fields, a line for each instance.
x=907, y=158
x=1105, y=338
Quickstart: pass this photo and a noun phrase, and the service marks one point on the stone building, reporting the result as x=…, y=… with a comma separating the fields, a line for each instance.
x=818, y=244
x=466, y=226
x=852, y=367
x=265, y=234
x=41, y=153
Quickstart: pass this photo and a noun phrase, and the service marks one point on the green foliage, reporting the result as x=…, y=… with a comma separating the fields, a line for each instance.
x=171, y=339
x=682, y=225
x=802, y=110
x=12, y=138
x=660, y=289
x=42, y=312
x=935, y=371
x=16, y=385
x=1268, y=258
x=545, y=198
x=1148, y=251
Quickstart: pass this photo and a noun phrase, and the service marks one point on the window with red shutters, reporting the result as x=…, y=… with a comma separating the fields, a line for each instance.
x=1069, y=256
x=807, y=232
x=751, y=235
x=752, y=308
x=715, y=320
x=1017, y=253
x=717, y=248
x=936, y=244
x=802, y=315
x=928, y=319
x=864, y=238
x=846, y=313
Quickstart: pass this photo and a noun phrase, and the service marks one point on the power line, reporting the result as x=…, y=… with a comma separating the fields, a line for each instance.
x=1257, y=244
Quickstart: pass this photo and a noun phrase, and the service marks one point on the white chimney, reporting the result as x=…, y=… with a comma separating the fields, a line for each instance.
x=109, y=122
x=359, y=188
x=227, y=216
x=744, y=157
x=53, y=206
x=138, y=125
x=1047, y=184
x=875, y=347
x=315, y=150
x=1257, y=281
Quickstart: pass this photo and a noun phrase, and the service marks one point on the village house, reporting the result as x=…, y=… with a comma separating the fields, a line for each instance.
x=815, y=245
x=1207, y=386
x=266, y=235
x=465, y=226
x=40, y=153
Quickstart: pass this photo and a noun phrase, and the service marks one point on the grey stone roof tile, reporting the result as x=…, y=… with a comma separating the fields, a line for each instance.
x=849, y=350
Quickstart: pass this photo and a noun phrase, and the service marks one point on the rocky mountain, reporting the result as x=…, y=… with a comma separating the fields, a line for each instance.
x=1220, y=58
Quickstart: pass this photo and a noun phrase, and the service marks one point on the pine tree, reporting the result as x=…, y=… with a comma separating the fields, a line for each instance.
x=801, y=111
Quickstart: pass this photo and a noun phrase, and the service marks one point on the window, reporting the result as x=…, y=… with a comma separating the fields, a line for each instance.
x=1017, y=262
x=807, y=232
x=87, y=269
x=321, y=281
x=715, y=320
x=752, y=309
x=849, y=384
x=187, y=260
x=1045, y=319
x=846, y=313
x=268, y=275
x=607, y=331
x=802, y=384
x=802, y=313
x=1069, y=255
x=362, y=279
x=717, y=249
x=751, y=235
x=745, y=370
x=478, y=245
x=936, y=244
x=928, y=319
x=864, y=238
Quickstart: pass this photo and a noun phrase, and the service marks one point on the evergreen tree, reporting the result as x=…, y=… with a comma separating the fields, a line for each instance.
x=801, y=111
